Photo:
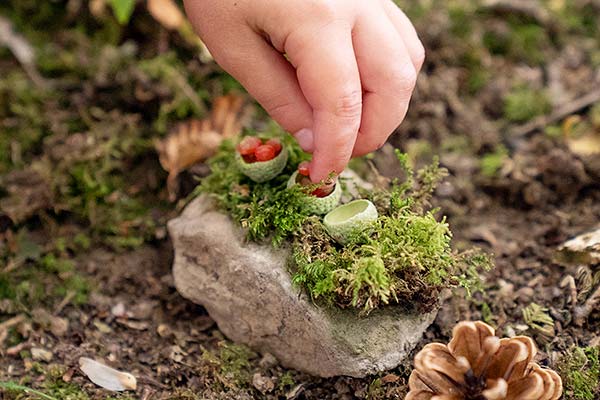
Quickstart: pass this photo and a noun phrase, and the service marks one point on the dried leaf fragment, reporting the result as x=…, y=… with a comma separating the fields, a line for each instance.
x=107, y=377
x=194, y=141
x=166, y=13
x=582, y=249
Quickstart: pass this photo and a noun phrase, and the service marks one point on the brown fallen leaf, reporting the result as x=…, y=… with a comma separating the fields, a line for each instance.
x=194, y=141
x=28, y=192
x=166, y=13
x=582, y=249
x=581, y=138
x=170, y=16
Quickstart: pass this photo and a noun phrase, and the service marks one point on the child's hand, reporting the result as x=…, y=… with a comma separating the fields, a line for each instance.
x=351, y=71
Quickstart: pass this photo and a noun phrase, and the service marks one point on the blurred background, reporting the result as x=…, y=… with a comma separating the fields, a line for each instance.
x=94, y=93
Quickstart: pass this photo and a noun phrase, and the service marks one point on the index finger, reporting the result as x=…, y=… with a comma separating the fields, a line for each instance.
x=328, y=75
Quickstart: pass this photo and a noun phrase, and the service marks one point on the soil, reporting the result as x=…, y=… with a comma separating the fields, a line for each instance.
x=537, y=193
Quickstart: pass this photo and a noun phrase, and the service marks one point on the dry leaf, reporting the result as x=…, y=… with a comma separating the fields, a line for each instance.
x=98, y=8
x=582, y=249
x=166, y=13
x=581, y=138
x=586, y=145
x=107, y=377
x=195, y=140
x=170, y=16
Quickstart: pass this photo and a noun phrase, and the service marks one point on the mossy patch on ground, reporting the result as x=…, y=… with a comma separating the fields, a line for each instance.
x=405, y=259
x=580, y=370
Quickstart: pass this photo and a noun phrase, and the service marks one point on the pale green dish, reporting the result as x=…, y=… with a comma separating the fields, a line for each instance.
x=319, y=205
x=262, y=171
x=350, y=218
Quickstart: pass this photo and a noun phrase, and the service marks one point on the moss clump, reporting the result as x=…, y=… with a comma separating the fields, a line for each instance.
x=524, y=103
x=491, y=163
x=234, y=364
x=266, y=210
x=405, y=259
x=580, y=369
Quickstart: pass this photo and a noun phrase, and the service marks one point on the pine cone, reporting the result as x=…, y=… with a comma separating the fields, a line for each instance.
x=476, y=365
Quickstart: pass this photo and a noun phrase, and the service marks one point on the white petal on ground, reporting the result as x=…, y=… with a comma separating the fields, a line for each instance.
x=107, y=377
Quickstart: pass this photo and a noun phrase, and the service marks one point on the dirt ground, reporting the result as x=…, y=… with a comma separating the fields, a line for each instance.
x=508, y=99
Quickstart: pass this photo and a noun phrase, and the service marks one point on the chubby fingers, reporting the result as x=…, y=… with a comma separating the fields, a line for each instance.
x=407, y=32
x=388, y=77
x=260, y=68
x=328, y=76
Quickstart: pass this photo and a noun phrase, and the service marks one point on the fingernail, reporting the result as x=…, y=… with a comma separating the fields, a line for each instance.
x=305, y=139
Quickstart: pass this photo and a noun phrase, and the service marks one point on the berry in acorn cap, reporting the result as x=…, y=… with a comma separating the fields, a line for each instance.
x=261, y=160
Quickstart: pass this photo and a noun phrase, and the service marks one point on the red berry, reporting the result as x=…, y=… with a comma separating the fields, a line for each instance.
x=303, y=168
x=249, y=158
x=248, y=145
x=323, y=191
x=276, y=144
x=265, y=152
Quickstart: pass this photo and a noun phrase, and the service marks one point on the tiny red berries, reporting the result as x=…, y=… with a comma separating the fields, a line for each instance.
x=249, y=158
x=264, y=152
x=303, y=179
x=253, y=149
x=323, y=191
x=303, y=168
x=248, y=145
x=276, y=144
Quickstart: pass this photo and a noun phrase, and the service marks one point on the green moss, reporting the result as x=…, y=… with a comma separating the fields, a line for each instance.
x=492, y=162
x=40, y=275
x=266, y=210
x=233, y=363
x=519, y=40
x=286, y=381
x=52, y=388
x=524, y=103
x=13, y=390
x=406, y=259
x=579, y=368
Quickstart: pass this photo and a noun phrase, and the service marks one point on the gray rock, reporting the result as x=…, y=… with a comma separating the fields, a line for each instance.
x=247, y=290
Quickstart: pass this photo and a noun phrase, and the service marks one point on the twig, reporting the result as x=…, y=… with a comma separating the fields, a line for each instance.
x=22, y=51
x=581, y=314
x=66, y=300
x=560, y=113
x=530, y=9
x=11, y=322
x=25, y=389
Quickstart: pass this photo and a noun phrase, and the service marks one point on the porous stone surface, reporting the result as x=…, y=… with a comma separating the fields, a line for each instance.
x=247, y=290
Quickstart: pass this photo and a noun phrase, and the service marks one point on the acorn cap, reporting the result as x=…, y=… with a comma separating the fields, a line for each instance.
x=319, y=205
x=262, y=171
x=349, y=218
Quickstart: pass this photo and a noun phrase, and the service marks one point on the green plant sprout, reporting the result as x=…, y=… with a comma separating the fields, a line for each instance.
x=405, y=259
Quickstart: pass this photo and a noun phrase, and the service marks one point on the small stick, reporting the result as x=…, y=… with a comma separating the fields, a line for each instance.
x=580, y=314
x=11, y=322
x=560, y=113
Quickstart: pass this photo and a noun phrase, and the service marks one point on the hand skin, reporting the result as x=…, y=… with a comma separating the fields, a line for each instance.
x=350, y=71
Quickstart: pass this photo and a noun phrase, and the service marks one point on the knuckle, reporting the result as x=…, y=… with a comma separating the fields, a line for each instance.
x=419, y=56
x=322, y=9
x=278, y=107
x=403, y=79
x=349, y=105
